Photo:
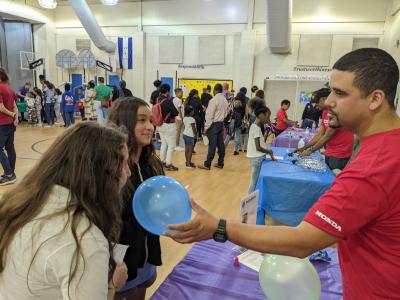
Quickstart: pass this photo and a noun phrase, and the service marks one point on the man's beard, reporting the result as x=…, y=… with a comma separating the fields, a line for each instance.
x=333, y=121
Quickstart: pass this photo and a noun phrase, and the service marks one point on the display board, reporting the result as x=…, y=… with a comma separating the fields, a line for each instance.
x=187, y=84
x=212, y=50
x=315, y=50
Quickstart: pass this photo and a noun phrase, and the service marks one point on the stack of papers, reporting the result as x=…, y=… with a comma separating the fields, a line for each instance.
x=252, y=259
x=276, y=157
x=119, y=253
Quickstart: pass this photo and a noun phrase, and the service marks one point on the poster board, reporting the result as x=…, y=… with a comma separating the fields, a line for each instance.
x=248, y=208
x=214, y=55
x=187, y=84
x=170, y=49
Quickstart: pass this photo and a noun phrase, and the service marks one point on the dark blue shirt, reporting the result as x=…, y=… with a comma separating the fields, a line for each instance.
x=68, y=102
x=23, y=91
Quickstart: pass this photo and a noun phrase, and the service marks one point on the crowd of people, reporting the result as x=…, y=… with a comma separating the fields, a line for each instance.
x=220, y=116
x=217, y=115
x=78, y=214
x=49, y=106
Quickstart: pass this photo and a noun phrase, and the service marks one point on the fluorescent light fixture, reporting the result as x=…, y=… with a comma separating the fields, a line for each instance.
x=49, y=4
x=109, y=2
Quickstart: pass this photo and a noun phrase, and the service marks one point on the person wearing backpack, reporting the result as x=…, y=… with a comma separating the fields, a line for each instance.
x=164, y=113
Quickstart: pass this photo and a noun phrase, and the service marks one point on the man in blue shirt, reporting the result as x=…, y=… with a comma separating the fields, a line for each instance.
x=22, y=92
x=68, y=104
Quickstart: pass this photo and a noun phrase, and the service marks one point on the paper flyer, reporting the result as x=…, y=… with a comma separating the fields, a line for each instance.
x=248, y=208
x=119, y=253
x=251, y=259
x=275, y=157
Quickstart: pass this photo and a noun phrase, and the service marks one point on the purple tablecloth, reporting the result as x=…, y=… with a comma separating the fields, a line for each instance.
x=290, y=138
x=207, y=273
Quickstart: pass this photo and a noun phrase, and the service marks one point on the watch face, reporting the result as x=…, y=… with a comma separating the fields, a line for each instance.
x=219, y=237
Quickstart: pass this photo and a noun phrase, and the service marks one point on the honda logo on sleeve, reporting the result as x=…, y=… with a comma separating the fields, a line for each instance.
x=328, y=220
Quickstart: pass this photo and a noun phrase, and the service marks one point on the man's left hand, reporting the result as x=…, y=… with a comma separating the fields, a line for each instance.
x=201, y=227
x=306, y=152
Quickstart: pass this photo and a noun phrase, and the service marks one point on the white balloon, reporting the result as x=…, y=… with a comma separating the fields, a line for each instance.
x=289, y=278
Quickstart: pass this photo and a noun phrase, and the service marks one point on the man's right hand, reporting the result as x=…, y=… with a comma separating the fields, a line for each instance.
x=16, y=119
x=201, y=227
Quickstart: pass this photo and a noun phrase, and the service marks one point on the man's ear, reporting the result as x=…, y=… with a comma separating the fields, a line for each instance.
x=376, y=99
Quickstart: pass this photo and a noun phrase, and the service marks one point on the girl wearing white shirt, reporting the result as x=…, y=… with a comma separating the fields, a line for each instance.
x=59, y=224
x=256, y=147
x=189, y=135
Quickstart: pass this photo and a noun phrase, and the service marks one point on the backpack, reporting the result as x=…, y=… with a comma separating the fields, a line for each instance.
x=156, y=112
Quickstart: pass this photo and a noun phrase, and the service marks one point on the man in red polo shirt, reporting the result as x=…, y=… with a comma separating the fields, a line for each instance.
x=8, y=123
x=338, y=141
x=361, y=211
x=282, y=121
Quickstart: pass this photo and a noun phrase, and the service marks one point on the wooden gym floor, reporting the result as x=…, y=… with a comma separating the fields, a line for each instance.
x=219, y=191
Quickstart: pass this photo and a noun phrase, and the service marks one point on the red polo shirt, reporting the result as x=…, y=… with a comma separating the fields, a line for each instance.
x=7, y=97
x=362, y=208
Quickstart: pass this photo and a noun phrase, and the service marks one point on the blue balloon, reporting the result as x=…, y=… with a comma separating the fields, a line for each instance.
x=160, y=201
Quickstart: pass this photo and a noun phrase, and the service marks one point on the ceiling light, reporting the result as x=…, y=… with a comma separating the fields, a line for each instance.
x=109, y=2
x=50, y=4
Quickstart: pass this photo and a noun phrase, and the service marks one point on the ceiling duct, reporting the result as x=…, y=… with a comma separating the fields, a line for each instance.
x=279, y=25
x=93, y=29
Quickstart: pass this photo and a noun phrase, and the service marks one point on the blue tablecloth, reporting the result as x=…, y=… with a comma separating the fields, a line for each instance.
x=287, y=191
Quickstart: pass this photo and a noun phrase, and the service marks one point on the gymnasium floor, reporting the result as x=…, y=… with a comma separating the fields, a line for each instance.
x=217, y=190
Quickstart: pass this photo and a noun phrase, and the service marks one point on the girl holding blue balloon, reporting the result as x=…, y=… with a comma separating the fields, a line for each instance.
x=144, y=252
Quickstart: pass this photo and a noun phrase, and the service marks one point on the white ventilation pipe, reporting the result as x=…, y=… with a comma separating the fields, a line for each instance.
x=93, y=29
x=279, y=25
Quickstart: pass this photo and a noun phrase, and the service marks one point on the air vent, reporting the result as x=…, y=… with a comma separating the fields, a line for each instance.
x=82, y=44
x=359, y=43
x=279, y=25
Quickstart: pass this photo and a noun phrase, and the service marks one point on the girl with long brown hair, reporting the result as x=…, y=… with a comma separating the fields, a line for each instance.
x=58, y=226
x=144, y=252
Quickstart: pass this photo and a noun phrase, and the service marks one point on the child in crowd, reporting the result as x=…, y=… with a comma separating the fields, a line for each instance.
x=30, y=105
x=144, y=251
x=282, y=121
x=90, y=110
x=49, y=100
x=256, y=147
x=68, y=105
x=81, y=103
x=57, y=106
x=189, y=134
x=238, y=117
x=39, y=106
